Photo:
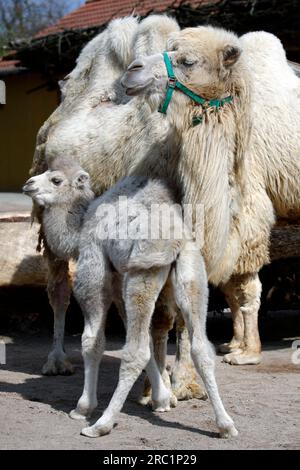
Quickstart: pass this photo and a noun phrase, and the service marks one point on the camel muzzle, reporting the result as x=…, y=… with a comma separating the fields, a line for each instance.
x=137, y=78
x=29, y=187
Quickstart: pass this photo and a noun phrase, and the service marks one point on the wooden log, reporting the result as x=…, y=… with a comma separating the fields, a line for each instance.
x=20, y=263
x=285, y=240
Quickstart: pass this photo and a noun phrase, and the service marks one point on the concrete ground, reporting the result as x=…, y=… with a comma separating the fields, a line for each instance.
x=264, y=401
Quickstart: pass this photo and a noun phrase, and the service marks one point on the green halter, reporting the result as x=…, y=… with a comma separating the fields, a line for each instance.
x=174, y=83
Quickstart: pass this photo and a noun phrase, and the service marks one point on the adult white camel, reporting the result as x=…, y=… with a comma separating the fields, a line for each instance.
x=261, y=141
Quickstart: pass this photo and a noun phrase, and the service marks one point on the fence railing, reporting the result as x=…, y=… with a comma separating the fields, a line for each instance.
x=2, y=92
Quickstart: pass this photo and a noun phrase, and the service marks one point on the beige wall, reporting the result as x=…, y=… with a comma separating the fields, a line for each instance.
x=20, y=118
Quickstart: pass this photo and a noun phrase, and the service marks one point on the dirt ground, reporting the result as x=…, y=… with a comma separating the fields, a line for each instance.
x=264, y=401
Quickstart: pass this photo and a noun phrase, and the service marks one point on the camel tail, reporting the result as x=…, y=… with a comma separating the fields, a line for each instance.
x=143, y=260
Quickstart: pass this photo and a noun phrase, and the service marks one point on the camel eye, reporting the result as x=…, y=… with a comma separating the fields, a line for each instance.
x=57, y=181
x=188, y=62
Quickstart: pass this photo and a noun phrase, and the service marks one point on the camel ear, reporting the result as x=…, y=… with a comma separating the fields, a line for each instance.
x=173, y=41
x=81, y=179
x=230, y=55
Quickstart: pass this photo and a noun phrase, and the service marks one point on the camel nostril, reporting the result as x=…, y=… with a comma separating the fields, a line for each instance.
x=29, y=182
x=28, y=185
x=135, y=65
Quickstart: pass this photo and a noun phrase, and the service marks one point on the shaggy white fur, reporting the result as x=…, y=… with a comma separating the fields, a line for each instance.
x=237, y=160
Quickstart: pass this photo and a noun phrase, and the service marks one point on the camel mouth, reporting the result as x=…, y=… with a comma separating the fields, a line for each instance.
x=29, y=191
x=132, y=88
x=132, y=91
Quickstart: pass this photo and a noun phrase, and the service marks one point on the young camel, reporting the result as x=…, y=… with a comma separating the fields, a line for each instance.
x=136, y=265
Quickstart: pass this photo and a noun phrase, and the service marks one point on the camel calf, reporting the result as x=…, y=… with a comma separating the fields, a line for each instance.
x=76, y=226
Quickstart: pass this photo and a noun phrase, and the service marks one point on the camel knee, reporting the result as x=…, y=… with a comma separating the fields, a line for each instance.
x=86, y=287
x=203, y=353
x=92, y=345
x=249, y=290
x=250, y=297
x=135, y=358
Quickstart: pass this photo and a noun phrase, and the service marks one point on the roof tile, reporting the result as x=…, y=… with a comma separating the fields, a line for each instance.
x=100, y=12
x=8, y=64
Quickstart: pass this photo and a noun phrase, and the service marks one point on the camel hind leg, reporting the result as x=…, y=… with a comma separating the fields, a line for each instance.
x=184, y=380
x=191, y=294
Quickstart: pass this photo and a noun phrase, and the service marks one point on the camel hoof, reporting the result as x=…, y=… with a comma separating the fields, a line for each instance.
x=241, y=359
x=74, y=414
x=147, y=401
x=173, y=401
x=163, y=405
x=144, y=400
x=90, y=432
x=59, y=365
x=96, y=431
x=161, y=409
x=228, y=431
x=189, y=391
x=228, y=348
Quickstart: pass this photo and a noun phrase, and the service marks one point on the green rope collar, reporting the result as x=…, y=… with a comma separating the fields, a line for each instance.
x=175, y=84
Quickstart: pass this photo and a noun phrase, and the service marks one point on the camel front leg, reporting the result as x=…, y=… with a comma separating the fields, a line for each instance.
x=184, y=377
x=236, y=343
x=141, y=290
x=59, y=291
x=246, y=289
x=93, y=291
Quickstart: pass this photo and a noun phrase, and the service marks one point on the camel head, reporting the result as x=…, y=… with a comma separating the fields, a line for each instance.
x=61, y=185
x=201, y=59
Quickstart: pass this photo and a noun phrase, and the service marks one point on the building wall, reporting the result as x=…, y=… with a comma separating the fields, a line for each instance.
x=27, y=107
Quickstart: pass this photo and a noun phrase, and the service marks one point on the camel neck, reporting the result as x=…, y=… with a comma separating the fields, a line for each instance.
x=205, y=173
x=62, y=225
